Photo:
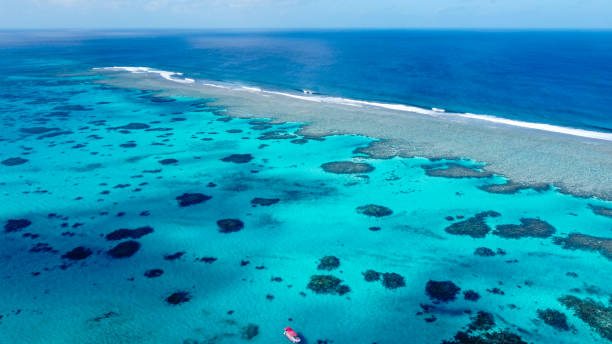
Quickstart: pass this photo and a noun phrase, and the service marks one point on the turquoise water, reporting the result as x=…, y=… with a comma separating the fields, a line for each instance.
x=86, y=177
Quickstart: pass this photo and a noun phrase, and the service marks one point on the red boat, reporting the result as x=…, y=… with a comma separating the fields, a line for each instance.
x=290, y=333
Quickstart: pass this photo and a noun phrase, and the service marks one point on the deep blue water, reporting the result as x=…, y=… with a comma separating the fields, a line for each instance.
x=559, y=77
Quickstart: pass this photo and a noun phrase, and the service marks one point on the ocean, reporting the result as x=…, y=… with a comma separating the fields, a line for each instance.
x=139, y=207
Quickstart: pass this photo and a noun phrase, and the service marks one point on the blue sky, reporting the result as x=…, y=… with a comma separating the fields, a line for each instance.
x=306, y=13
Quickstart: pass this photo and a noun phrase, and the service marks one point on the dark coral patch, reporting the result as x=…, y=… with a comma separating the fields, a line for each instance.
x=371, y=275
x=178, y=297
x=392, y=280
x=599, y=210
x=554, y=318
x=168, y=161
x=37, y=130
x=250, y=331
x=577, y=241
x=16, y=225
x=78, y=253
x=471, y=295
x=230, y=225
x=444, y=291
x=154, y=273
x=125, y=249
x=188, y=199
x=174, y=256
x=484, y=252
x=238, y=158
x=482, y=330
x=14, y=161
x=374, y=210
x=134, y=126
x=327, y=284
x=347, y=167
x=453, y=170
x=124, y=233
x=475, y=226
x=329, y=263
x=264, y=201
x=528, y=228
x=592, y=312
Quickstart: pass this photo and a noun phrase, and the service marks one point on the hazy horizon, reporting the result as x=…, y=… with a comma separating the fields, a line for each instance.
x=304, y=14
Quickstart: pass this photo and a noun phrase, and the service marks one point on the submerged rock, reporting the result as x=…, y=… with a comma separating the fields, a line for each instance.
x=452, y=170
x=592, y=312
x=124, y=233
x=444, y=291
x=327, y=284
x=230, y=225
x=125, y=249
x=554, y=318
x=371, y=275
x=250, y=331
x=154, y=273
x=374, y=210
x=174, y=256
x=577, y=241
x=347, y=167
x=392, y=280
x=78, y=253
x=264, y=201
x=16, y=225
x=238, y=158
x=188, y=199
x=178, y=298
x=329, y=263
x=168, y=161
x=133, y=126
x=475, y=226
x=14, y=161
x=528, y=228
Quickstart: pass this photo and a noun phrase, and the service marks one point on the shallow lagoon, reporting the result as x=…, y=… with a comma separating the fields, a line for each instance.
x=77, y=187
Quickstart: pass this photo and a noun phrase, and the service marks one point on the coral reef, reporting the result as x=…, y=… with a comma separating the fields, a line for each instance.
x=444, y=291
x=554, y=318
x=392, y=280
x=577, y=241
x=374, y=210
x=125, y=249
x=78, y=253
x=16, y=225
x=230, y=225
x=452, y=170
x=347, y=167
x=238, y=158
x=328, y=263
x=592, y=312
x=125, y=233
x=188, y=199
x=178, y=298
x=327, y=284
x=533, y=228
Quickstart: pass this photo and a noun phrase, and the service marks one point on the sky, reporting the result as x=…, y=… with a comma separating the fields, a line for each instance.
x=580, y=14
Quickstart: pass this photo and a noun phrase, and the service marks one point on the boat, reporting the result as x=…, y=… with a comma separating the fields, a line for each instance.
x=292, y=335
